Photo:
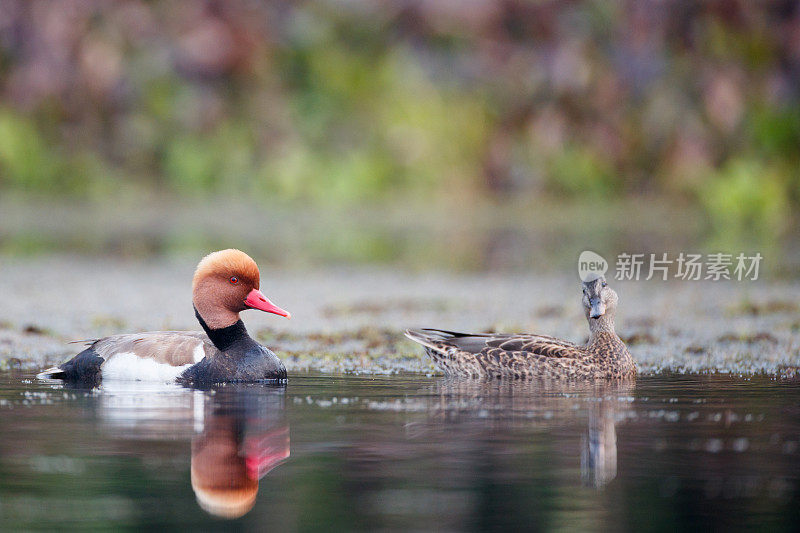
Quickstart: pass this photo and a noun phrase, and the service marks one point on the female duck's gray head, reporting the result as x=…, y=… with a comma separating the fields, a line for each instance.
x=599, y=300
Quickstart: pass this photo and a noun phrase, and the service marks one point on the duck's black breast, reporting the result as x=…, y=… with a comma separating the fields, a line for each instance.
x=240, y=358
x=259, y=363
x=242, y=362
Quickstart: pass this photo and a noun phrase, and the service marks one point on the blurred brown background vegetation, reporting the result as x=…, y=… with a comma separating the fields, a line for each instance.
x=348, y=103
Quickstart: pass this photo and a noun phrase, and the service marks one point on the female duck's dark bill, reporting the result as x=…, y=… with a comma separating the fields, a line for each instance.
x=257, y=300
x=597, y=308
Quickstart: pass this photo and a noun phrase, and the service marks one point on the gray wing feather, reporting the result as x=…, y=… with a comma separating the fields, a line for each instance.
x=174, y=348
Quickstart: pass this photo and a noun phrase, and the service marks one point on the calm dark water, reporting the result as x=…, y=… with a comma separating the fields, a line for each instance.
x=399, y=453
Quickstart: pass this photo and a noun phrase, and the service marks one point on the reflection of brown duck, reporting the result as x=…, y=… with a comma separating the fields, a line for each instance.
x=525, y=356
x=239, y=433
x=599, y=450
x=226, y=467
x=244, y=437
x=542, y=404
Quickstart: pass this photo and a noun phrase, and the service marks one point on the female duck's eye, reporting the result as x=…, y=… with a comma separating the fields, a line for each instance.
x=234, y=280
x=605, y=284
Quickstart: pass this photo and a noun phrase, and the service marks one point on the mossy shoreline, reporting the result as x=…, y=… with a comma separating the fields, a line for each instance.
x=351, y=319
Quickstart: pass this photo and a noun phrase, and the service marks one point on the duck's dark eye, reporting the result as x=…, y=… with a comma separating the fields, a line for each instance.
x=234, y=280
x=605, y=284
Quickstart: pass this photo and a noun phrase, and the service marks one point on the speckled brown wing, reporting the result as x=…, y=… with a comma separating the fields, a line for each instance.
x=498, y=354
x=533, y=344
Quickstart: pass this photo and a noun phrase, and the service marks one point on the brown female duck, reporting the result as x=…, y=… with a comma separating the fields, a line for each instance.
x=225, y=283
x=525, y=356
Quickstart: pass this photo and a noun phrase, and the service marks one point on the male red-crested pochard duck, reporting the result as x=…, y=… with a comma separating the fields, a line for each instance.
x=225, y=284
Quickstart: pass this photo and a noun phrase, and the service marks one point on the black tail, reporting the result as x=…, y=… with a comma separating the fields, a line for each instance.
x=432, y=341
x=445, y=334
x=84, y=368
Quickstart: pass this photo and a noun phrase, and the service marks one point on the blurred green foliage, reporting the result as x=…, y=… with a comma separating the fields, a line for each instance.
x=337, y=104
x=580, y=171
x=27, y=161
x=746, y=195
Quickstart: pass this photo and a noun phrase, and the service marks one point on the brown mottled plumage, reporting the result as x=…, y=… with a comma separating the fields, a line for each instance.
x=525, y=356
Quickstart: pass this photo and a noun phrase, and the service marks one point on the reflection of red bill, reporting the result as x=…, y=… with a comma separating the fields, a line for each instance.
x=266, y=451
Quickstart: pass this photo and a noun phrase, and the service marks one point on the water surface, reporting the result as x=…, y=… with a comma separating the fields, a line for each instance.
x=402, y=452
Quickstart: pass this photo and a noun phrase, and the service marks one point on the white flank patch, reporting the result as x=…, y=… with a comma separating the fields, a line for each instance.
x=130, y=367
x=199, y=352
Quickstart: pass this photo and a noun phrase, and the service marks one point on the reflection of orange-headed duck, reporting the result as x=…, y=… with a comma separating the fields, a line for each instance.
x=226, y=467
x=225, y=283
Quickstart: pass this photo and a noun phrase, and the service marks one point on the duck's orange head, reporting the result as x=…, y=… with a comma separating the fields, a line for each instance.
x=226, y=283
